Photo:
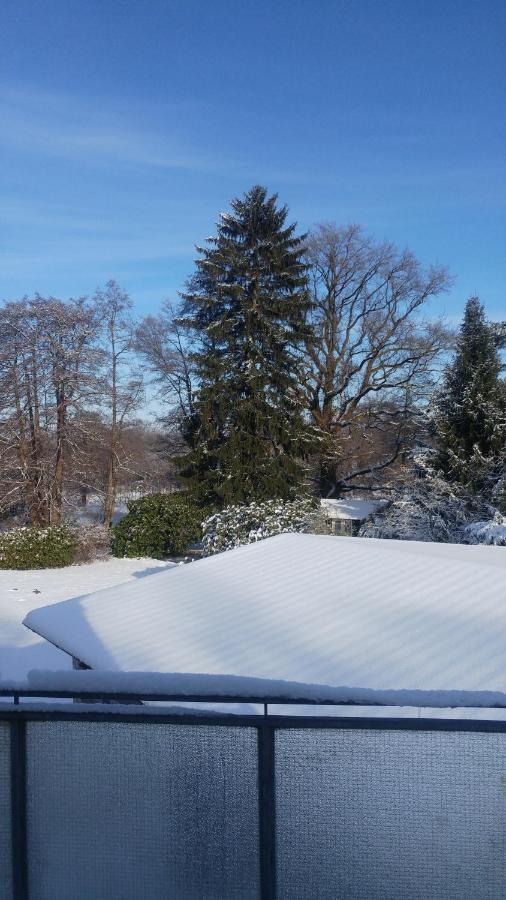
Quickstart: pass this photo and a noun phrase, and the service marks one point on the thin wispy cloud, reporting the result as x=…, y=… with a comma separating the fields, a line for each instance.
x=151, y=137
x=69, y=128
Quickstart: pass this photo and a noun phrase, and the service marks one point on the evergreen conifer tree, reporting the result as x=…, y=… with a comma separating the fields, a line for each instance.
x=501, y=499
x=471, y=412
x=247, y=304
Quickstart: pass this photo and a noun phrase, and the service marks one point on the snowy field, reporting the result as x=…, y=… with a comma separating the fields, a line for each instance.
x=21, y=591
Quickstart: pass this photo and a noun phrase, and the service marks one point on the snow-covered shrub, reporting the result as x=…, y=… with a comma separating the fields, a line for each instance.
x=238, y=525
x=37, y=548
x=489, y=531
x=425, y=507
x=92, y=542
x=157, y=525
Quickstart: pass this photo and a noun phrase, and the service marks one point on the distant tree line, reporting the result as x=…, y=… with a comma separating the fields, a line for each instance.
x=70, y=387
x=293, y=363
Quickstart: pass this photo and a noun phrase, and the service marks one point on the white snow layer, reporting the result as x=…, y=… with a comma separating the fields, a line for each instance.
x=211, y=687
x=358, y=510
x=490, y=531
x=377, y=615
x=20, y=591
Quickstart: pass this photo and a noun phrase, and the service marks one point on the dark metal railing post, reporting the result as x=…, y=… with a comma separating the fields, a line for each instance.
x=267, y=810
x=18, y=809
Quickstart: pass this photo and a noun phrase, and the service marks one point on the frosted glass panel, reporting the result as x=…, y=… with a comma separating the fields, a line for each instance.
x=141, y=812
x=5, y=814
x=391, y=815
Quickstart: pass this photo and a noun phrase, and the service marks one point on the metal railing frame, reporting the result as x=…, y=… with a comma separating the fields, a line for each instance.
x=266, y=724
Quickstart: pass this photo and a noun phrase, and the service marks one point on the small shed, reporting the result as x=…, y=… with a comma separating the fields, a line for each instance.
x=345, y=516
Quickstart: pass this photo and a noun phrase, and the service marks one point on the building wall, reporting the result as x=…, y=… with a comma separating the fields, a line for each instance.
x=343, y=527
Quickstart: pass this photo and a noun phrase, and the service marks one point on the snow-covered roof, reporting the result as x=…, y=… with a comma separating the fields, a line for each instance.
x=307, y=608
x=351, y=508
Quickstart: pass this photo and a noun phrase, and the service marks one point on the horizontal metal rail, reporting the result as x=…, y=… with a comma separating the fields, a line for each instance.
x=25, y=712
x=256, y=699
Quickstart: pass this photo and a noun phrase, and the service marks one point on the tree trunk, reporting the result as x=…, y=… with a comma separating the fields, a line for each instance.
x=327, y=480
x=110, y=490
x=39, y=515
x=111, y=486
x=34, y=500
x=57, y=486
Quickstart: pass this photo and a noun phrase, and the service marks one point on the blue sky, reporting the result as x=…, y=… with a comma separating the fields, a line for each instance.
x=127, y=125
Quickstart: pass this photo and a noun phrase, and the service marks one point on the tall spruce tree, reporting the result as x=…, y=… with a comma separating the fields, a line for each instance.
x=247, y=304
x=471, y=411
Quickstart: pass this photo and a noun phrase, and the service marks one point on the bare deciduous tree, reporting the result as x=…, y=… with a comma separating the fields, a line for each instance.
x=369, y=357
x=166, y=349
x=47, y=371
x=69, y=344
x=23, y=386
x=122, y=385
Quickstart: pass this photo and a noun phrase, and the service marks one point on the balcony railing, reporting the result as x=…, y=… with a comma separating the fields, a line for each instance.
x=121, y=800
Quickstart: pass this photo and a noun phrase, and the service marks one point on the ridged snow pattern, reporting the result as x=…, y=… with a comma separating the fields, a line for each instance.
x=307, y=608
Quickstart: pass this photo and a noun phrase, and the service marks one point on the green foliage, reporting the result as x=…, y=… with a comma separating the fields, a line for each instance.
x=238, y=525
x=37, y=548
x=471, y=412
x=247, y=307
x=158, y=525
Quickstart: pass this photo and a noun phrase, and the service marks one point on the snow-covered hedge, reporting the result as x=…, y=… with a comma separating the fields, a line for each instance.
x=92, y=542
x=238, y=525
x=157, y=525
x=37, y=548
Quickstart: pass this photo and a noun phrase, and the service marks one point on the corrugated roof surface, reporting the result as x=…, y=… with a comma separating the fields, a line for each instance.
x=307, y=608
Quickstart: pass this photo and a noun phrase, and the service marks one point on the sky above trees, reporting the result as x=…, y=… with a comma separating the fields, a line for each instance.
x=127, y=127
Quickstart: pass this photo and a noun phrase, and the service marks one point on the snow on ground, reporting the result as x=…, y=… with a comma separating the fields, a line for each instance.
x=92, y=513
x=352, y=508
x=21, y=591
